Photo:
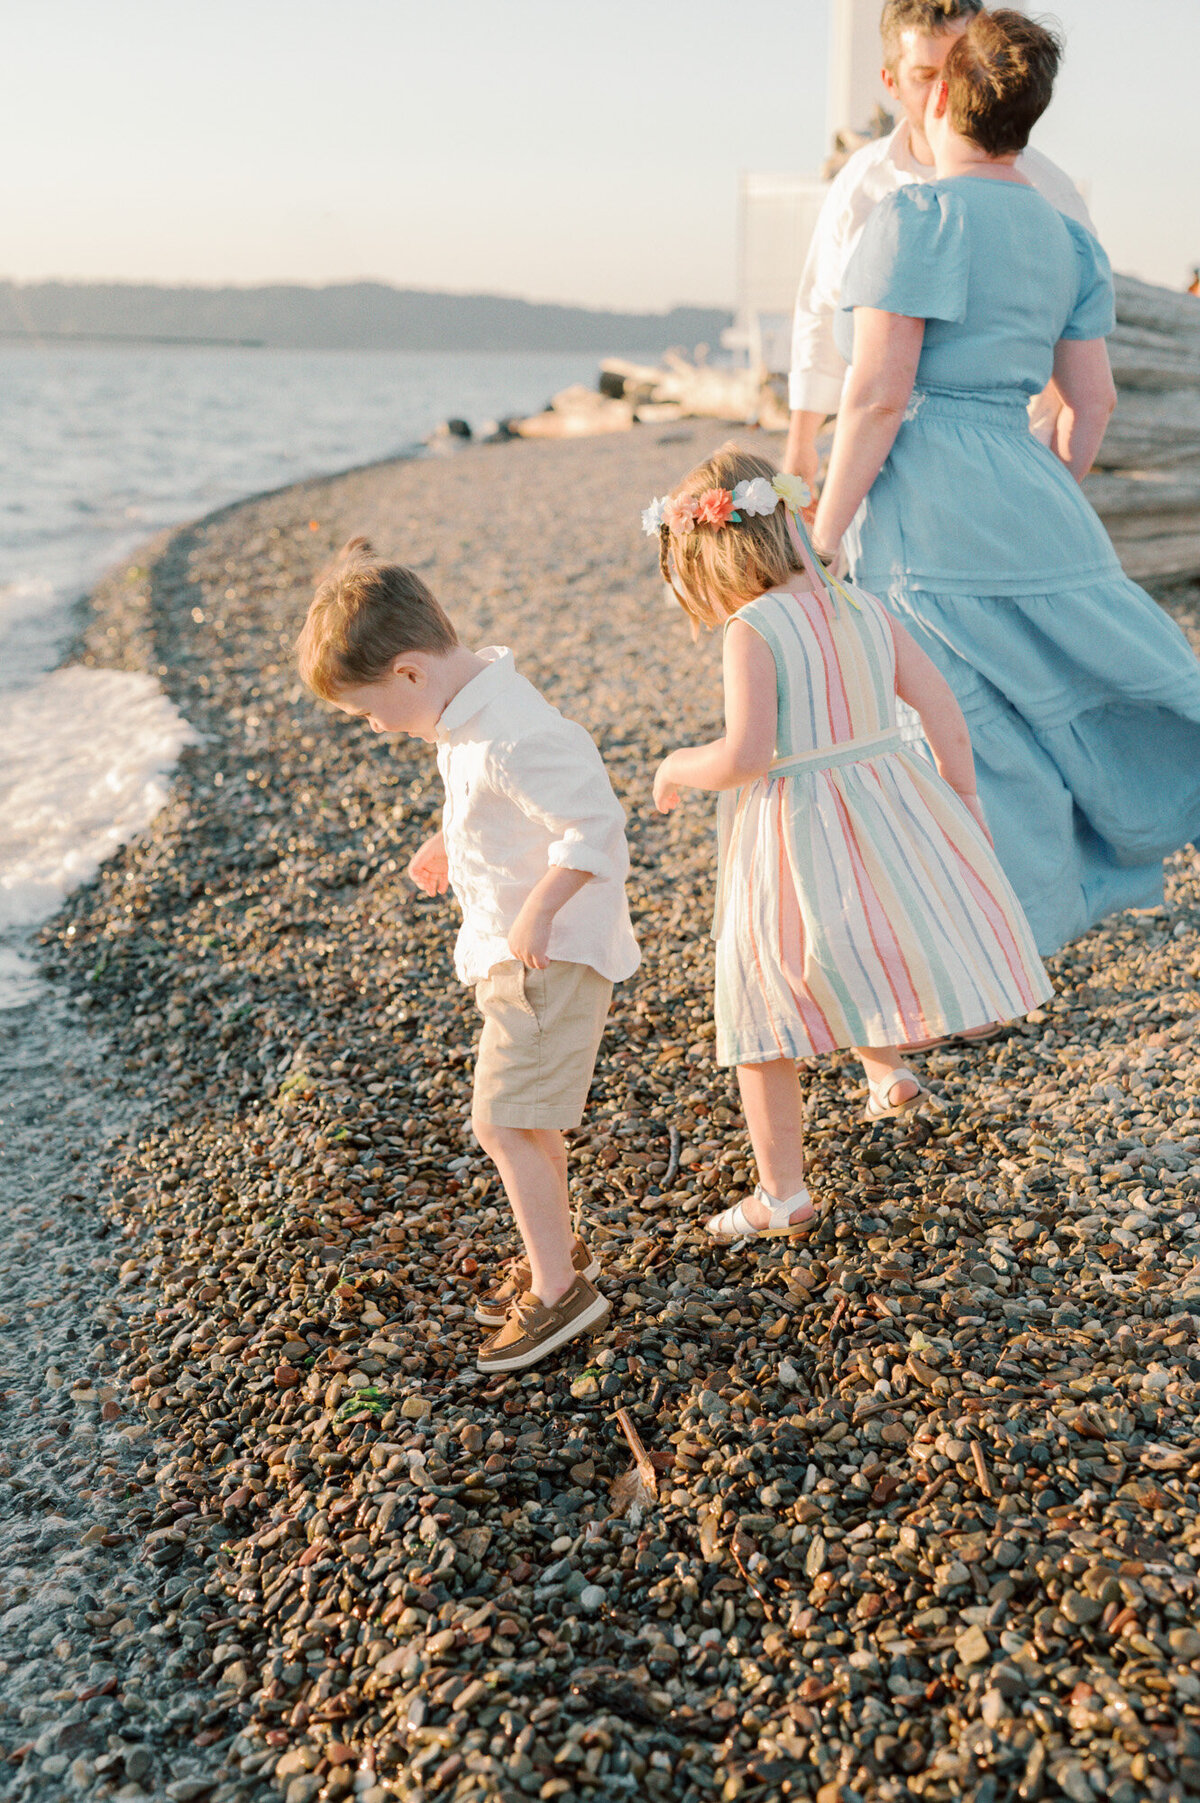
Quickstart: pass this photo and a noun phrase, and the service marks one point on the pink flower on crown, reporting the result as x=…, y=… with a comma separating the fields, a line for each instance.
x=714, y=507
x=679, y=515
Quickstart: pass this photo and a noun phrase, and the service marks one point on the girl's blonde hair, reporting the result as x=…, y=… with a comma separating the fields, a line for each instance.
x=716, y=569
x=364, y=615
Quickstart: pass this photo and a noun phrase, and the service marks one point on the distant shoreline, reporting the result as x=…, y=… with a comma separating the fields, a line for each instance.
x=345, y=316
x=11, y=335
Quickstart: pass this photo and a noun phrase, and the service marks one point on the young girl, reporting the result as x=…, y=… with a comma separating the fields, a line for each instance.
x=859, y=902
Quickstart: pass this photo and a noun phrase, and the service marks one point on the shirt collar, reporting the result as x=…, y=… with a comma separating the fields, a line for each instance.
x=901, y=152
x=475, y=695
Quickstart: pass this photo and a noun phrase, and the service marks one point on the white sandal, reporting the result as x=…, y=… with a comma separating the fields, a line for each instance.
x=880, y=1106
x=734, y=1224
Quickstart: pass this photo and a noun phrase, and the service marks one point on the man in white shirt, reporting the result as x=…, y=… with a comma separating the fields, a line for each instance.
x=533, y=845
x=917, y=35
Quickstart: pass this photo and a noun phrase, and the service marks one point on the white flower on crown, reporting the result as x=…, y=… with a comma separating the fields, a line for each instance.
x=754, y=496
x=652, y=517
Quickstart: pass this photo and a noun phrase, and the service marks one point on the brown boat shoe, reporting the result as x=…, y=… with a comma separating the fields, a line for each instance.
x=533, y=1332
x=493, y=1306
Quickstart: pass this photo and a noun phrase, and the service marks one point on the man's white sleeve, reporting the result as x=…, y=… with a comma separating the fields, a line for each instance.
x=1054, y=185
x=818, y=370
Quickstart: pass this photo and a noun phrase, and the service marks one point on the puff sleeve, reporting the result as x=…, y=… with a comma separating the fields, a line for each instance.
x=1094, y=313
x=912, y=257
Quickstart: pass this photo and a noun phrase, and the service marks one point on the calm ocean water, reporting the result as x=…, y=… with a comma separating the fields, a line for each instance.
x=100, y=446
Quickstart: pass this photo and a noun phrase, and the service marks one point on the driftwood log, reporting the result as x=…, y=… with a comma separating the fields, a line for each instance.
x=1146, y=486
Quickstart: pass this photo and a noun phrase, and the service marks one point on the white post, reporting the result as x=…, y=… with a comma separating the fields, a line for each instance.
x=855, y=60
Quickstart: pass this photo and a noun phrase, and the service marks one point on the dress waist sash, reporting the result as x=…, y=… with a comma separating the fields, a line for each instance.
x=825, y=757
x=1007, y=409
x=829, y=756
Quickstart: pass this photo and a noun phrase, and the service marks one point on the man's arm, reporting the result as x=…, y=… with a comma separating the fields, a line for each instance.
x=800, y=456
x=817, y=368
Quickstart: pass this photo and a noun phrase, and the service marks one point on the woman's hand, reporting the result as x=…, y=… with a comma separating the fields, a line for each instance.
x=837, y=564
x=429, y=867
x=666, y=793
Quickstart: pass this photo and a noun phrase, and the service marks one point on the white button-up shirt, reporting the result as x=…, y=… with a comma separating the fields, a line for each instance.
x=527, y=789
x=878, y=169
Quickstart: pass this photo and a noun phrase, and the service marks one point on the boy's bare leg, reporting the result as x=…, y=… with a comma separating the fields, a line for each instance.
x=532, y=1162
x=774, y=1105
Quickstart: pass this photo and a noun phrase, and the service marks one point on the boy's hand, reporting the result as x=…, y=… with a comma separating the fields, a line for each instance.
x=429, y=867
x=529, y=939
x=666, y=795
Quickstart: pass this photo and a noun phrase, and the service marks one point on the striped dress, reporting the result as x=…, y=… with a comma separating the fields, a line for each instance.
x=858, y=903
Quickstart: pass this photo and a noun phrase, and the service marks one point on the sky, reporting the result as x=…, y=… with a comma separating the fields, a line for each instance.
x=586, y=153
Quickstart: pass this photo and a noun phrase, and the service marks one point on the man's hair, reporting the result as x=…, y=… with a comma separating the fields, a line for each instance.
x=717, y=569
x=1000, y=78
x=925, y=16
x=364, y=615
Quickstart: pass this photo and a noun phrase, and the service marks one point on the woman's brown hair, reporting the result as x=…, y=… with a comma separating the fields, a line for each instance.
x=716, y=569
x=1000, y=78
x=364, y=615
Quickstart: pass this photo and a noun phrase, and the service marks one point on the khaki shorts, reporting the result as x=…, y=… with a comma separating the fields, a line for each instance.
x=537, y=1052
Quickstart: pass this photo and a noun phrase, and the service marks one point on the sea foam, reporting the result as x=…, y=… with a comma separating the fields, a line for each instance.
x=85, y=758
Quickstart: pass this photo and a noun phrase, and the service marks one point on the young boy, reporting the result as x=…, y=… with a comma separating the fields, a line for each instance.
x=533, y=846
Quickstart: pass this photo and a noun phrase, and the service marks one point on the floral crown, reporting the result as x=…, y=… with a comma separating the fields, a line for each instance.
x=681, y=514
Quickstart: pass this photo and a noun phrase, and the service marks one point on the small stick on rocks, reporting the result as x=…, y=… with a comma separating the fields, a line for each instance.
x=981, y=1470
x=737, y=1559
x=641, y=1457
x=672, y=1170
x=929, y=1492
x=635, y=1490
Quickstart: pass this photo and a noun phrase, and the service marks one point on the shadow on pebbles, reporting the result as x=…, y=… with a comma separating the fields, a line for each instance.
x=925, y=1521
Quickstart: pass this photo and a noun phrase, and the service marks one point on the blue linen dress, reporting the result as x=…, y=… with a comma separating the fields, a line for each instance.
x=1081, y=695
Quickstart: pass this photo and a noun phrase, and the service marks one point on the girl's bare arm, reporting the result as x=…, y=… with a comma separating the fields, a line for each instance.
x=751, y=710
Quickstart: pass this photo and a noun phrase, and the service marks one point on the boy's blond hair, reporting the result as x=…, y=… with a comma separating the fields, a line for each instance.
x=717, y=569
x=364, y=615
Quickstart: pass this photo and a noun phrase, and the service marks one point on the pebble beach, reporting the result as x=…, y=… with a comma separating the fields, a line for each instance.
x=906, y=1509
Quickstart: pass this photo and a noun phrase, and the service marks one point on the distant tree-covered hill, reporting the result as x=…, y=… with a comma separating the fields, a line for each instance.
x=346, y=316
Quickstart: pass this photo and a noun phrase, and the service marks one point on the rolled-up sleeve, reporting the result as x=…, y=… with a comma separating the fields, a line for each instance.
x=558, y=779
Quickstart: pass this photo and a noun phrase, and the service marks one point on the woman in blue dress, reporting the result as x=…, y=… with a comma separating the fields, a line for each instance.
x=964, y=297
